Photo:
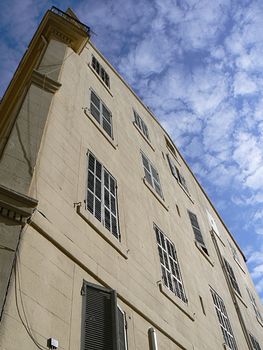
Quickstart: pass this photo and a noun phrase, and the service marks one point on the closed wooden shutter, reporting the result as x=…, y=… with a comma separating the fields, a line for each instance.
x=99, y=327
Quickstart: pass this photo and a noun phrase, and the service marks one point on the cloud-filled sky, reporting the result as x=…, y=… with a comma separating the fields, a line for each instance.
x=198, y=65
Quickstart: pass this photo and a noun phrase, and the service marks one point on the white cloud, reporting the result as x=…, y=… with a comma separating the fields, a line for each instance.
x=244, y=84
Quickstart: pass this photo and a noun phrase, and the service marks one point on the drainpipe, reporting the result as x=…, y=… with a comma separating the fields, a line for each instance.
x=152, y=339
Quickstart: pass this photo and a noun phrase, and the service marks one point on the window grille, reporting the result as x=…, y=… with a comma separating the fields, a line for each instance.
x=102, y=195
x=151, y=175
x=224, y=321
x=171, y=274
x=141, y=125
x=232, y=277
x=101, y=71
x=197, y=232
x=101, y=113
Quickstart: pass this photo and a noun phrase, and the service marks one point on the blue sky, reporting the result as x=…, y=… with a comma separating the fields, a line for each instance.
x=198, y=65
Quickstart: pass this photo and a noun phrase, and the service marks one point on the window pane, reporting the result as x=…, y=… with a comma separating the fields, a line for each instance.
x=95, y=100
x=106, y=113
x=95, y=112
x=107, y=127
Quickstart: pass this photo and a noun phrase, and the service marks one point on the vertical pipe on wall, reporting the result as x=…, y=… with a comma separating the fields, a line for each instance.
x=152, y=339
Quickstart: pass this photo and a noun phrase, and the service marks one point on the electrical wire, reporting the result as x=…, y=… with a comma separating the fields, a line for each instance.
x=22, y=313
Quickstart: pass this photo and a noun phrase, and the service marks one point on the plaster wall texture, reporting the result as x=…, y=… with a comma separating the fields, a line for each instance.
x=63, y=245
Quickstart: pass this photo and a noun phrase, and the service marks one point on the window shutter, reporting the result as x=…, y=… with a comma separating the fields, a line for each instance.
x=183, y=182
x=172, y=167
x=232, y=277
x=197, y=231
x=99, y=326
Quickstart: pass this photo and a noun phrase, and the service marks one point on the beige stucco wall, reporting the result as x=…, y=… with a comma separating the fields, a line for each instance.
x=60, y=248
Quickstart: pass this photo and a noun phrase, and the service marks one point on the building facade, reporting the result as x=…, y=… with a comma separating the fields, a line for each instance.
x=108, y=241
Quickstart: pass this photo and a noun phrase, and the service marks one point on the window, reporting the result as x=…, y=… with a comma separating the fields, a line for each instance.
x=103, y=323
x=197, y=232
x=171, y=274
x=224, y=321
x=254, y=342
x=102, y=195
x=255, y=307
x=234, y=253
x=170, y=147
x=101, y=72
x=123, y=342
x=101, y=113
x=176, y=173
x=151, y=175
x=141, y=125
x=212, y=223
x=232, y=277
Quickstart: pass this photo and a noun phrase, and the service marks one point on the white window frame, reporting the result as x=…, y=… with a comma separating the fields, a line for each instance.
x=110, y=189
x=170, y=269
x=141, y=125
x=97, y=67
x=125, y=327
x=101, y=117
x=223, y=320
x=151, y=175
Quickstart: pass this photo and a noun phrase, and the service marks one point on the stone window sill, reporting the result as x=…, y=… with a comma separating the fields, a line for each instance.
x=199, y=247
x=99, y=127
x=102, y=231
x=144, y=137
x=99, y=78
x=184, y=307
x=160, y=199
